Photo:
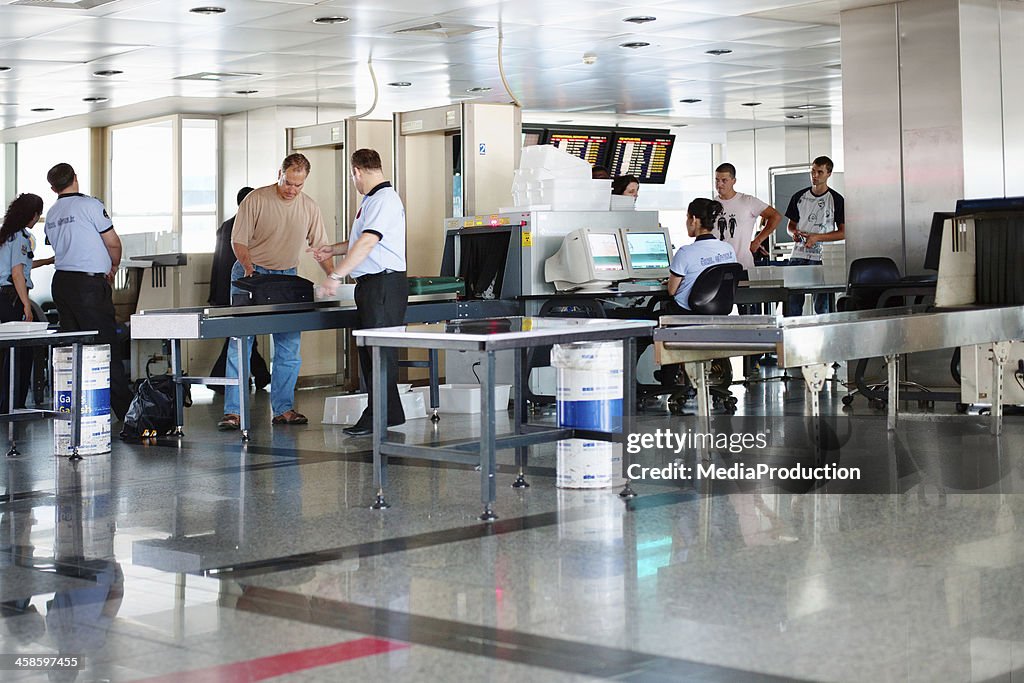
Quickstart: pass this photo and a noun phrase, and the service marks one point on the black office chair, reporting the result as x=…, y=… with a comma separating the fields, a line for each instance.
x=875, y=282
x=869, y=278
x=713, y=293
x=540, y=356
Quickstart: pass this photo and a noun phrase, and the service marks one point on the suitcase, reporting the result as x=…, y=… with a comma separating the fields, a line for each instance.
x=437, y=285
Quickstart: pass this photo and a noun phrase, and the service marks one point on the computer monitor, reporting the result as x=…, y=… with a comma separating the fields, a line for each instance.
x=648, y=252
x=589, y=258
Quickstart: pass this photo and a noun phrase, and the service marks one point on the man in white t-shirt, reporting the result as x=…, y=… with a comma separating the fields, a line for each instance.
x=742, y=212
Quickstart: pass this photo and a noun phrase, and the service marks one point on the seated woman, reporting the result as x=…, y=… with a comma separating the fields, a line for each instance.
x=627, y=185
x=692, y=259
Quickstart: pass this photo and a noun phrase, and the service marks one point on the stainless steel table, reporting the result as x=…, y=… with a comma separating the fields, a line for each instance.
x=244, y=322
x=811, y=342
x=489, y=336
x=16, y=341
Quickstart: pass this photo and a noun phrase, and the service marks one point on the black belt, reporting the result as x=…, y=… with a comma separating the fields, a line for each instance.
x=78, y=272
x=386, y=271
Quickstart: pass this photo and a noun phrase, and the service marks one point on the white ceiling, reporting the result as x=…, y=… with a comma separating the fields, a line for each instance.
x=785, y=53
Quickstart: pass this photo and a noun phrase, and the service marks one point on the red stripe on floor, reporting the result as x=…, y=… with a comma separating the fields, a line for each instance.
x=278, y=665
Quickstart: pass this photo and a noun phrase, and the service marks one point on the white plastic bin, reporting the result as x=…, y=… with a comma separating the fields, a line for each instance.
x=346, y=409
x=95, y=402
x=465, y=398
x=581, y=464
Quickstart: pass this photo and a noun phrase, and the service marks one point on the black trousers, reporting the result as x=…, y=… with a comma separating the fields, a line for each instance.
x=380, y=302
x=85, y=302
x=11, y=310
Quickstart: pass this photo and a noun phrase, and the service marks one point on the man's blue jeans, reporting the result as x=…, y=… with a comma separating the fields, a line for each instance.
x=795, y=305
x=284, y=369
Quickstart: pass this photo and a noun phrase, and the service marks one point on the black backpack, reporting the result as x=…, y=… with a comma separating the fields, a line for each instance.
x=152, y=410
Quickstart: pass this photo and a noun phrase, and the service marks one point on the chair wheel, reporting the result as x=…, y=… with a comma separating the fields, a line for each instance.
x=877, y=404
x=847, y=400
x=676, y=403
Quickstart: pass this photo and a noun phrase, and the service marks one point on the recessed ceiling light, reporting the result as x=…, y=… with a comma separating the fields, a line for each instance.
x=718, y=52
x=246, y=92
x=96, y=98
x=208, y=10
x=691, y=100
x=794, y=116
x=635, y=45
x=479, y=88
x=336, y=19
x=642, y=19
x=811, y=106
x=42, y=109
x=750, y=104
x=400, y=84
x=107, y=72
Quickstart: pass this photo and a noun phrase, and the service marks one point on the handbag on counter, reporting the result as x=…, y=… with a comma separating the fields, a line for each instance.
x=272, y=288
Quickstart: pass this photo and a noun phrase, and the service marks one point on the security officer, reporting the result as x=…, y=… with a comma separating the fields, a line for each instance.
x=87, y=253
x=375, y=258
x=17, y=247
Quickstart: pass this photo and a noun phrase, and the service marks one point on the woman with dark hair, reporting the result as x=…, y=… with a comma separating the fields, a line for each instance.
x=16, y=254
x=706, y=251
x=628, y=185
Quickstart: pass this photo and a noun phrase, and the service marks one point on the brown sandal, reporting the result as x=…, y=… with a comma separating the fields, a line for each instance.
x=290, y=418
x=229, y=422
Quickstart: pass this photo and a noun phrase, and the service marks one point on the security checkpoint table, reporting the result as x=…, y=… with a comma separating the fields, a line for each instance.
x=489, y=336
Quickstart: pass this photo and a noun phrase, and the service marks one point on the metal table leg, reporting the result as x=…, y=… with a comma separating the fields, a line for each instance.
x=814, y=381
x=519, y=416
x=1000, y=355
x=435, y=394
x=179, y=390
x=893, y=371
x=12, y=380
x=628, y=406
x=488, y=445
x=76, y=400
x=243, y=385
x=380, y=425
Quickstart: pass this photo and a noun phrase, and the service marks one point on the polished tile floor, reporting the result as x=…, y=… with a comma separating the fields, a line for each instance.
x=212, y=561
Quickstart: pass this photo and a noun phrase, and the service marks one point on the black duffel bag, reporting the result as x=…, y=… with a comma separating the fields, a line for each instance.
x=272, y=288
x=152, y=412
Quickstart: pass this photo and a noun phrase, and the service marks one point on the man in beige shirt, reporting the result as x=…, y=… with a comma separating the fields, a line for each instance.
x=274, y=226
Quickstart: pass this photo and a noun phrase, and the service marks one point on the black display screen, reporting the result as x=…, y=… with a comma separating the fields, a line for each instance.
x=590, y=145
x=643, y=154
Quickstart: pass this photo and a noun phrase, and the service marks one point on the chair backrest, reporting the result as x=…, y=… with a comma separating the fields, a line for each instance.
x=874, y=270
x=869, y=278
x=715, y=289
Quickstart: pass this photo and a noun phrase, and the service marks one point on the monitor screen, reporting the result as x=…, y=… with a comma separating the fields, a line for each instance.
x=644, y=154
x=647, y=250
x=532, y=136
x=604, y=250
x=590, y=145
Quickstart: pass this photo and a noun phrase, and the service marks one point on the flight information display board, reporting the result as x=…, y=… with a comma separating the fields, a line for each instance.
x=591, y=146
x=643, y=154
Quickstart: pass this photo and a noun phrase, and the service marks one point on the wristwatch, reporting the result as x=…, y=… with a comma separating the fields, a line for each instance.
x=336, y=277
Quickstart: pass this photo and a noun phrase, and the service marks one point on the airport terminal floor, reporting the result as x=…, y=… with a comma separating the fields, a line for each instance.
x=210, y=561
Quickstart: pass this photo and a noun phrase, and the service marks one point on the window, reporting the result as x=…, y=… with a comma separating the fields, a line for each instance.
x=158, y=204
x=198, y=185
x=142, y=184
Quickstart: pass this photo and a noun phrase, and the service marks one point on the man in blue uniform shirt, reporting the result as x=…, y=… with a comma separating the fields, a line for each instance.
x=87, y=253
x=375, y=258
